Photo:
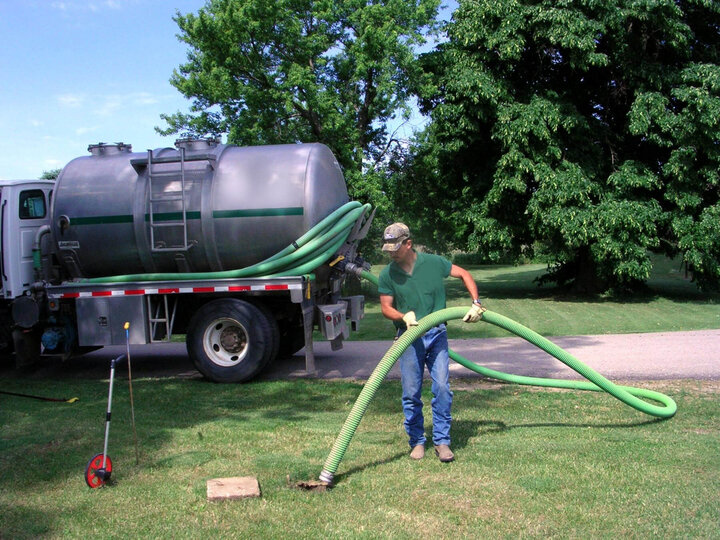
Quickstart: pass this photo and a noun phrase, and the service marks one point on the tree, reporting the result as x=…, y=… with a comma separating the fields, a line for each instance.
x=52, y=174
x=287, y=71
x=586, y=128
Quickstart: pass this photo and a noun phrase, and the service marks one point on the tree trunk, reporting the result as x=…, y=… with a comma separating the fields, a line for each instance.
x=587, y=280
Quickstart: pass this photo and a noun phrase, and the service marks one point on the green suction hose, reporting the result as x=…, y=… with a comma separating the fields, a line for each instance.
x=299, y=258
x=368, y=392
x=624, y=393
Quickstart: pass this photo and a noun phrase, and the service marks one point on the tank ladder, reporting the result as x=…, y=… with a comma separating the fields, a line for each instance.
x=161, y=317
x=163, y=220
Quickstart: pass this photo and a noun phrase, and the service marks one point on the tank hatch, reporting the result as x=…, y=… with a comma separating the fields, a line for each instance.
x=191, y=144
x=108, y=149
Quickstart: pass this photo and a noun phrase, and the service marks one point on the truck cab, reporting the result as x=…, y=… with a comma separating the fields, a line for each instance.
x=24, y=208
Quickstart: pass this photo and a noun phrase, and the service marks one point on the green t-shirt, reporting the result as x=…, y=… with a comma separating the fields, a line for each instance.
x=423, y=291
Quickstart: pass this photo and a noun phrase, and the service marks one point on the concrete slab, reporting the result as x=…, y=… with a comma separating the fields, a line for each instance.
x=225, y=489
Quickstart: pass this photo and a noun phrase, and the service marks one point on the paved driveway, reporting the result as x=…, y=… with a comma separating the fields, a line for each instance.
x=656, y=356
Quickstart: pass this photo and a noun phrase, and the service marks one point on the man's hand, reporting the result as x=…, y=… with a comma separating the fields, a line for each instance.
x=474, y=314
x=410, y=319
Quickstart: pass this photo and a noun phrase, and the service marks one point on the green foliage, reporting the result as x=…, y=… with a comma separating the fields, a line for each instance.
x=589, y=127
x=51, y=174
x=288, y=71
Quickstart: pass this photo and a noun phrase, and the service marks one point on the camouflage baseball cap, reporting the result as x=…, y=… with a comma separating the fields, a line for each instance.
x=394, y=236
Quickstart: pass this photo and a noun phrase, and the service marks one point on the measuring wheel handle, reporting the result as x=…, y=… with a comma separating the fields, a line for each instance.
x=95, y=474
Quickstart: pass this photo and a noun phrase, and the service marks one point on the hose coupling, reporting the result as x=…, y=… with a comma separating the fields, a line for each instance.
x=38, y=287
x=353, y=268
x=326, y=476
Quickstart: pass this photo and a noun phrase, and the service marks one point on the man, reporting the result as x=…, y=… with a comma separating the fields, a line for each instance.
x=410, y=288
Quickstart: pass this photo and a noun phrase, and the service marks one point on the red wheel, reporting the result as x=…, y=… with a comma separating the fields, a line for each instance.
x=95, y=475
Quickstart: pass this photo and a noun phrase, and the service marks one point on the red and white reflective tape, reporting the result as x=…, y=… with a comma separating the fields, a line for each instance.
x=178, y=290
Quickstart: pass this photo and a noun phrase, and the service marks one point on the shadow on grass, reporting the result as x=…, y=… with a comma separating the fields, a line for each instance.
x=35, y=524
x=464, y=430
x=587, y=425
x=515, y=283
x=44, y=440
x=372, y=465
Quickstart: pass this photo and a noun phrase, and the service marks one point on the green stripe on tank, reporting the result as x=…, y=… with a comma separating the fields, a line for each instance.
x=177, y=216
x=171, y=216
x=259, y=212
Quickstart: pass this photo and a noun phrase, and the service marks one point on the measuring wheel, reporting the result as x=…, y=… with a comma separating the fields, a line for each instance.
x=95, y=474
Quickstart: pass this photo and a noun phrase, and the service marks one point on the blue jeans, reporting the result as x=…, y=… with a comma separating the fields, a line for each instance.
x=429, y=350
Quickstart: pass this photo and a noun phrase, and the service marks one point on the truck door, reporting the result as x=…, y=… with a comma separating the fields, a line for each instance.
x=33, y=211
x=24, y=210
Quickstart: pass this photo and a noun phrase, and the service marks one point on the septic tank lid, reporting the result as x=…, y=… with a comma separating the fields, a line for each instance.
x=191, y=143
x=105, y=149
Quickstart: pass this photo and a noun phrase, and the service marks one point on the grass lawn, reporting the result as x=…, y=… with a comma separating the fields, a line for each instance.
x=670, y=303
x=530, y=463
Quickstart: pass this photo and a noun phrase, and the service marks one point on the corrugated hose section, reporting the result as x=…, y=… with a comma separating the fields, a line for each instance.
x=596, y=382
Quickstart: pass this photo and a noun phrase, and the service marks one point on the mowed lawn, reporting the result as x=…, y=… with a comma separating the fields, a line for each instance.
x=530, y=462
x=669, y=303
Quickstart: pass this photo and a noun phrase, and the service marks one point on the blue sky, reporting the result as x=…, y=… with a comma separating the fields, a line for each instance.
x=76, y=72
x=79, y=72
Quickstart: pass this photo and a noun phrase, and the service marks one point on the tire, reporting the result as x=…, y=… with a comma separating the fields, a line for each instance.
x=229, y=340
x=274, y=334
x=292, y=339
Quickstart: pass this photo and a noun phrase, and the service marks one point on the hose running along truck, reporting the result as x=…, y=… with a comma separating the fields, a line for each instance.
x=242, y=249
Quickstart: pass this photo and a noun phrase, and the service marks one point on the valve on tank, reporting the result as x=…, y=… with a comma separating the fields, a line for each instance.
x=105, y=149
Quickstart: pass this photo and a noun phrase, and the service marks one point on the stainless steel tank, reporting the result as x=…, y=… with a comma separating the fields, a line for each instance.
x=202, y=206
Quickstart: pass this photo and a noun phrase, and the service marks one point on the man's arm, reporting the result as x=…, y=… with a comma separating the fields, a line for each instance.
x=387, y=309
x=476, y=310
x=458, y=272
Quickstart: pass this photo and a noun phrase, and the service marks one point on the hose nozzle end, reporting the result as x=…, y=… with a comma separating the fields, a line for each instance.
x=326, y=476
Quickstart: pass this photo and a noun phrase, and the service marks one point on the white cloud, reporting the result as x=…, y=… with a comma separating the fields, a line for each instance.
x=144, y=98
x=53, y=164
x=111, y=103
x=108, y=105
x=85, y=130
x=71, y=100
x=94, y=7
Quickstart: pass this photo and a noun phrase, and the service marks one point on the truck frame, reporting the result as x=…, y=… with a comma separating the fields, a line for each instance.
x=233, y=327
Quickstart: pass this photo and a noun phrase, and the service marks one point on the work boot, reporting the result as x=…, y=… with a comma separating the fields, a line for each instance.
x=443, y=452
x=418, y=452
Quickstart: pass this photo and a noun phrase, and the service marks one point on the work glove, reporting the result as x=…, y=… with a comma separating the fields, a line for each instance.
x=474, y=314
x=410, y=319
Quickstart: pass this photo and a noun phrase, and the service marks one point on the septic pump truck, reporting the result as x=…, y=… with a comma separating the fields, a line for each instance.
x=156, y=239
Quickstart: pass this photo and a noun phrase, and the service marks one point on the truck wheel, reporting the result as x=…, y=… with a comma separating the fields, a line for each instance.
x=274, y=334
x=229, y=340
x=292, y=339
